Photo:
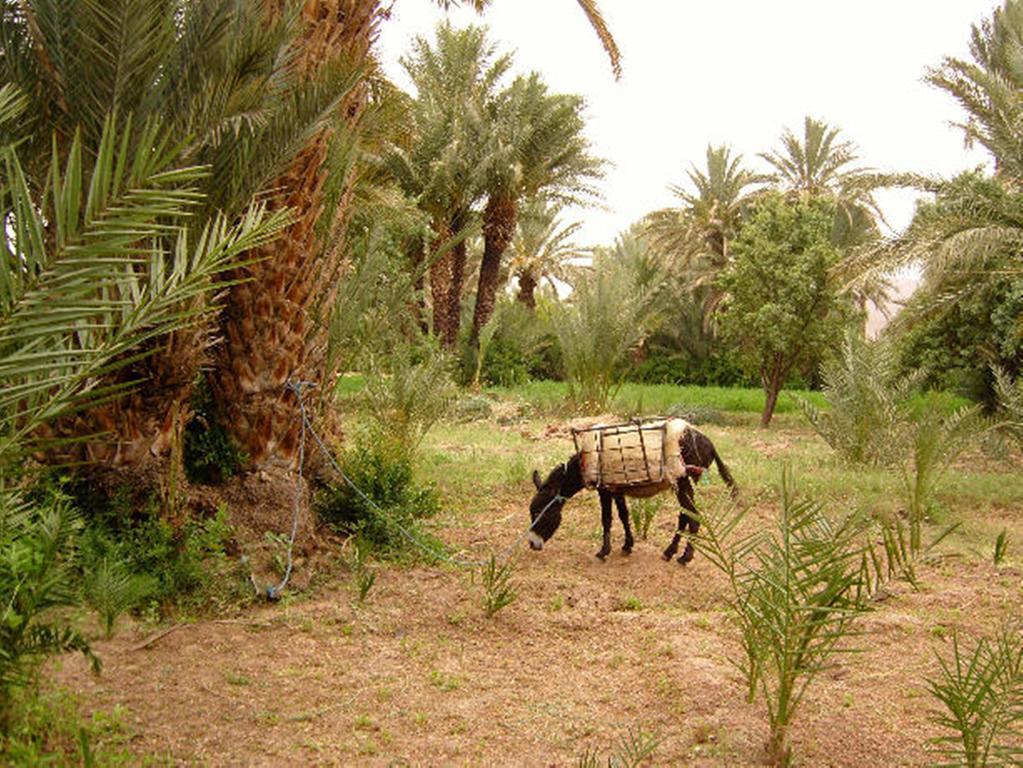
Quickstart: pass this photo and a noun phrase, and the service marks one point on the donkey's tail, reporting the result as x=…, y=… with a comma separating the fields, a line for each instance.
x=726, y=475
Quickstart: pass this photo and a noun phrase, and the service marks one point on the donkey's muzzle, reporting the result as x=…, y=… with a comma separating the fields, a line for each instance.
x=535, y=542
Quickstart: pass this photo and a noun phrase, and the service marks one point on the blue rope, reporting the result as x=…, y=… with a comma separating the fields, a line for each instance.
x=274, y=592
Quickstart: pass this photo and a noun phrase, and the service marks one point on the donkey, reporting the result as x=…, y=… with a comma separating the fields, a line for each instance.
x=566, y=480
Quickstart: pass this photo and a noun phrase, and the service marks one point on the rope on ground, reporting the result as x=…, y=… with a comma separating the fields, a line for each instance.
x=274, y=592
x=307, y=427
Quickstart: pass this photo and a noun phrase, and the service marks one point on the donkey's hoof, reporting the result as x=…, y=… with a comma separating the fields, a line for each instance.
x=666, y=557
x=626, y=550
x=602, y=555
x=682, y=561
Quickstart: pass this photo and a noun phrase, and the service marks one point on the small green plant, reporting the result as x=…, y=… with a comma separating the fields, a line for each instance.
x=628, y=603
x=1001, y=547
x=47, y=728
x=210, y=455
x=406, y=396
x=357, y=560
x=868, y=401
x=796, y=593
x=35, y=579
x=934, y=443
x=632, y=749
x=643, y=512
x=111, y=589
x=981, y=693
x=498, y=590
x=380, y=500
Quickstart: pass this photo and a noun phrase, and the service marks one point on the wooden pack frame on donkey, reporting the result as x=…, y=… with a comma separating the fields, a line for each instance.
x=638, y=458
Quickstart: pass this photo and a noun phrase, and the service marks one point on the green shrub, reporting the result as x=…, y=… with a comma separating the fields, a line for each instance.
x=210, y=455
x=387, y=500
x=472, y=408
x=611, y=310
x=46, y=728
x=796, y=592
x=111, y=589
x=37, y=546
x=191, y=564
x=869, y=402
x=982, y=698
x=408, y=393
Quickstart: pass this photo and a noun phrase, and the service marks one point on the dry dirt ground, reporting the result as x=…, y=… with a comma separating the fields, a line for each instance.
x=418, y=675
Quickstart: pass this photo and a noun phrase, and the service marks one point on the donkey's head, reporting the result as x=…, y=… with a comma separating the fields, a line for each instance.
x=565, y=480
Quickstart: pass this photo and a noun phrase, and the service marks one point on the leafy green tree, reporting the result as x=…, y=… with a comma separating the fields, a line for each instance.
x=955, y=344
x=780, y=308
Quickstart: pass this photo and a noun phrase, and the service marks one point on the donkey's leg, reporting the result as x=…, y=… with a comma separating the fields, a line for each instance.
x=685, y=498
x=623, y=515
x=605, y=521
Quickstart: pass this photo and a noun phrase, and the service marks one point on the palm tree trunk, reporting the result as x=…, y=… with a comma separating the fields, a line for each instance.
x=441, y=273
x=527, y=287
x=453, y=307
x=269, y=328
x=499, y=220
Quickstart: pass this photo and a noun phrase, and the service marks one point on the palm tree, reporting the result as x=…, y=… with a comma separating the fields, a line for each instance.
x=972, y=232
x=593, y=16
x=538, y=147
x=989, y=87
x=698, y=233
x=455, y=78
x=214, y=79
x=542, y=248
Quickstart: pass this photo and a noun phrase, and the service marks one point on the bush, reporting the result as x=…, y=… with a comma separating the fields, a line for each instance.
x=472, y=408
x=192, y=562
x=387, y=500
x=406, y=395
x=210, y=455
x=869, y=402
x=37, y=546
x=609, y=314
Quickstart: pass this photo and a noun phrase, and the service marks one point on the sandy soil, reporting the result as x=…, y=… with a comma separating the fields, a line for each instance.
x=418, y=675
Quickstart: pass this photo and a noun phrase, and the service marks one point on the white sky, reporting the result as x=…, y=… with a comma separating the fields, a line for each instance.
x=732, y=71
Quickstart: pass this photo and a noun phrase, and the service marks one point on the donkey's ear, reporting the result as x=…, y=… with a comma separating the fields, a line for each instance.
x=536, y=480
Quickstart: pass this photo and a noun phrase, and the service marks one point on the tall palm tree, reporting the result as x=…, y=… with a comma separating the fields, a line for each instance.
x=456, y=77
x=538, y=147
x=274, y=325
x=212, y=78
x=990, y=87
x=698, y=233
x=542, y=248
x=972, y=232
